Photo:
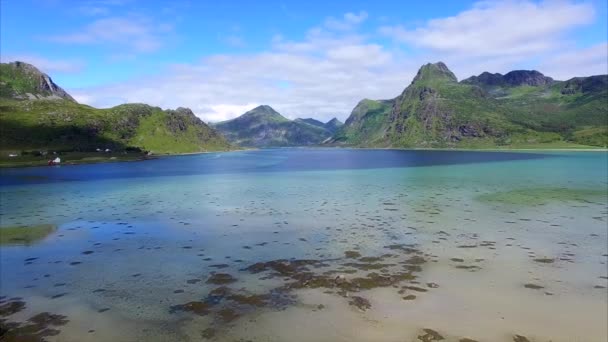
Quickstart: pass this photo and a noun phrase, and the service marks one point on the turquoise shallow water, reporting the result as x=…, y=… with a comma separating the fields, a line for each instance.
x=159, y=230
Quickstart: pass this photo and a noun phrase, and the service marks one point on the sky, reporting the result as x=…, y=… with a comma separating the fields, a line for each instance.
x=304, y=58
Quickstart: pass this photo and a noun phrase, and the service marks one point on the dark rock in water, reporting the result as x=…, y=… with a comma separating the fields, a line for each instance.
x=12, y=307
x=199, y=308
x=220, y=279
x=545, y=260
x=252, y=300
x=352, y=254
x=228, y=315
x=409, y=297
x=519, y=338
x=208, y=333
x=533, y=286
x=430, y=335
x=219, y=266
x=282, y=267
x=360, y=302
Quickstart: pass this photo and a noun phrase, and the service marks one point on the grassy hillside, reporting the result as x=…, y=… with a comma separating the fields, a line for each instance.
x=61, y=125
x=366, y=126
x=521, y=109
x=578, y=114
x=38, y=117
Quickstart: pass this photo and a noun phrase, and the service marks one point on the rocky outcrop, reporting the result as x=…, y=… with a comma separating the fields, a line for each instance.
x=513, y=78
x=585, y=85
x=24, y=81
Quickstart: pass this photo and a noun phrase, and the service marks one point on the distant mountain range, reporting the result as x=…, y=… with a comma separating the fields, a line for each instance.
x=519, y=109
x=37, y=115
x=522, y=108
x=265, y=127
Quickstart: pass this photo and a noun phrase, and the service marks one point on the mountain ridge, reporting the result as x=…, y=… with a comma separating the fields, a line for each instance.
x=38, y=115
x=263, y=126
x=520, y=108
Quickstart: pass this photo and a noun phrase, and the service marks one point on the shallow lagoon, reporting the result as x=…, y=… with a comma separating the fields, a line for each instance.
x=311, y=245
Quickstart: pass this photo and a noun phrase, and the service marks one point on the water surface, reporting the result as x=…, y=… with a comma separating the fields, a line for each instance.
x=313, y=245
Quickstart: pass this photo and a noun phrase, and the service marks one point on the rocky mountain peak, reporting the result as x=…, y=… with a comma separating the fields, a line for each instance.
x=511, y=79
x=21, y=80
x=526, y=77
x=434, y=71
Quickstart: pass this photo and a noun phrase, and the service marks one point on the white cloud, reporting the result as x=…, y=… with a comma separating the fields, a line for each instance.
x=347, y=22
x=322, y=77
x=137, y=33
x=498, y=28
x=578, y=62
x=335, y=66
x=46, y=65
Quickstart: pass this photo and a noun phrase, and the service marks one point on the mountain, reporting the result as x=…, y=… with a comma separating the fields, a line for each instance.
x=519, y=109
x=575, y=109
x=511, y=79
x=312, y=121
x=366, y=125
x=331, y=126
x=265, y=127
x=20, y=80
x=37, y=115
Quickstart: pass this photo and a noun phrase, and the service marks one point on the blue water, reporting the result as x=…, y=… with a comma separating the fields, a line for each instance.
x=271, y=160
x=154, y=225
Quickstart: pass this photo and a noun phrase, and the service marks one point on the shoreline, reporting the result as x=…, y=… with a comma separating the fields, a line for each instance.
x=159, y=156
x=599, y=149
x=110, y=160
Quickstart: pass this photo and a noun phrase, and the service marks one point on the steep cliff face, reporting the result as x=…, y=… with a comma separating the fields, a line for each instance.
x=520, y=108
x=513, y=78
x=436, y=111
x=20, y=80
x=366, y=125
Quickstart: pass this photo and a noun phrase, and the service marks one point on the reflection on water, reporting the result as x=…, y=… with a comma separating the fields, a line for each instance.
x=311, y=245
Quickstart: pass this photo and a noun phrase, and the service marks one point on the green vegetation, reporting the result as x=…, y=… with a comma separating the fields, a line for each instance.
x=37, y=120
x=71, y=158
x=539, y=196
x=366, y=124
x=25, y=235
x=522, y=109
x=65, y=126
x=265, y=127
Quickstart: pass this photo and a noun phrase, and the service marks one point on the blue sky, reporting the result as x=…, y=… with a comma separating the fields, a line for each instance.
x=306, y=59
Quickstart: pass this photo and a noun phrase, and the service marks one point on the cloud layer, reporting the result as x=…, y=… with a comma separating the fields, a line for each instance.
x=135, y=33
x=336, y=65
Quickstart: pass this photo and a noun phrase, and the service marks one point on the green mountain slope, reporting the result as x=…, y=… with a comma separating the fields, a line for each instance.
x=576, y=109
x=519, y=109
x=367, y=124
x=42, y=117
x=265, y=127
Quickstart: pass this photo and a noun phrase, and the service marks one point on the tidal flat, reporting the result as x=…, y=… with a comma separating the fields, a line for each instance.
x=309, y=245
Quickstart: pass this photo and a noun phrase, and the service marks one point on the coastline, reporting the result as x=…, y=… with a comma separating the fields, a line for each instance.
x=158, y=156
x=96, y=160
